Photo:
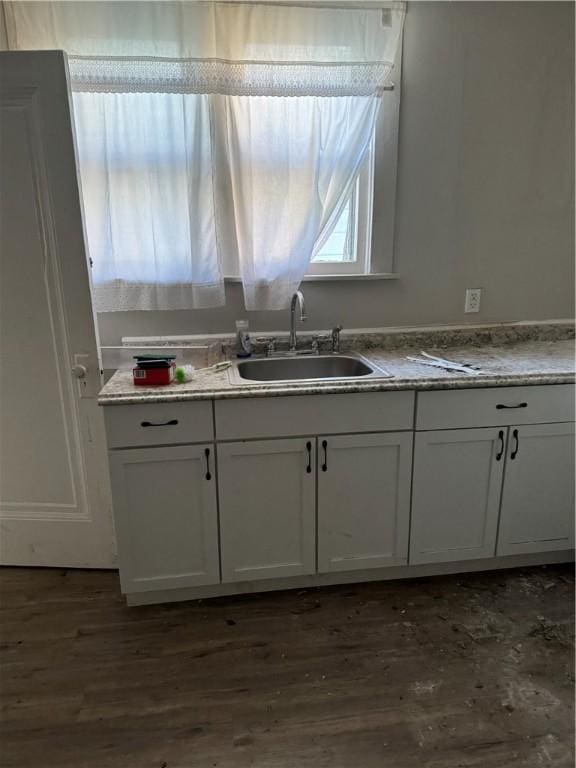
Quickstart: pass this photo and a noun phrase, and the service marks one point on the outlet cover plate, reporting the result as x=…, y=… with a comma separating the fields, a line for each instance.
x=472, y=303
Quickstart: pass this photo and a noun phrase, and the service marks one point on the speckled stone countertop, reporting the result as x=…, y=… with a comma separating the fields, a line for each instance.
x=506, y=361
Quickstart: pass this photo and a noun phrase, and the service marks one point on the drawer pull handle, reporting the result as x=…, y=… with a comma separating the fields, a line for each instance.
x=514, y=452
x=309, y=449
x=500, y=406
x=501, y=451
x=207, y=454
x=325, y=447
x=171, y=423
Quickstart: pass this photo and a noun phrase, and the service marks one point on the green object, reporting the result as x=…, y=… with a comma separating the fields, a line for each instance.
x=180, y=375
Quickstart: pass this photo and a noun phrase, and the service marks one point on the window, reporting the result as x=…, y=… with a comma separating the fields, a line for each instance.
x=361, y=245
x=199, y=146
x=340, y=247
x=346, y=250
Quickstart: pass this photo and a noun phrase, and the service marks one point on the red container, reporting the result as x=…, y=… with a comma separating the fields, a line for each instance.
x=150, y=377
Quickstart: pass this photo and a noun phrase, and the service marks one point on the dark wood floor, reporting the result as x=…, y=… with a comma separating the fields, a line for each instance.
x=448, y=672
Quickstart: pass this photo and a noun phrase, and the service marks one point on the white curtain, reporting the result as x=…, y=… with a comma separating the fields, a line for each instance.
x=292, y=190
x=204, y=126
x=147, y=179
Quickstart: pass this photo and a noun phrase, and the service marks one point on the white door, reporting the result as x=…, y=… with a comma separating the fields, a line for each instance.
x=537, y=512
x=266, y=491
x=456, y=494
x=55, y=506
x=166, y=517
x=363, y=501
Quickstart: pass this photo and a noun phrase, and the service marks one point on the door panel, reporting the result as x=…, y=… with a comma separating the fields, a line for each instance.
x=55, y=506
x=166, y=517
x=363, y=501
x=456, y=494
x=538, y=497
x=267, y=508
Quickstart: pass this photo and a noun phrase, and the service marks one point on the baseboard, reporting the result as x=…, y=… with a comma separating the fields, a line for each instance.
x=351, y=577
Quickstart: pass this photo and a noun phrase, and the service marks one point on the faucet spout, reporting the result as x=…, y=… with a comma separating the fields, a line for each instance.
x=297, y=299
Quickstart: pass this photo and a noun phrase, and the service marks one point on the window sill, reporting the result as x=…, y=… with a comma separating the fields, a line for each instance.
x=336, y=278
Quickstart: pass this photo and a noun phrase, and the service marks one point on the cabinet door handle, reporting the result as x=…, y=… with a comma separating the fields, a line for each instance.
x=309, y=450
x=514, y=451
x=171, y=423
x=207, y=454
x=325, y=447
x=500, y=406
x=501, y=451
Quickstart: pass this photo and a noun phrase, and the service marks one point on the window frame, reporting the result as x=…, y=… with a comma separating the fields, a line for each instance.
x=362, y=201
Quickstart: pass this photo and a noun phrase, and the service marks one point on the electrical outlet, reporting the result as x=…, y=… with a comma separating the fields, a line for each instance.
x=472, y=303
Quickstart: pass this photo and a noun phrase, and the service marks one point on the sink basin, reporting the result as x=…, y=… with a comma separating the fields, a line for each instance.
x=318, y=367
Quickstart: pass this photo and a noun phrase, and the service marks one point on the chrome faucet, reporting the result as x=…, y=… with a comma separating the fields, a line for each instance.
x=297, y=298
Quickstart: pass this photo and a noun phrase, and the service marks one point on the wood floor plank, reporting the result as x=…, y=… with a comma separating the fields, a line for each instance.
x=470, y=671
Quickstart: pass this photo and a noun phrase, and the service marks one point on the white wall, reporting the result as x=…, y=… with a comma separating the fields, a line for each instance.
x=485, y=181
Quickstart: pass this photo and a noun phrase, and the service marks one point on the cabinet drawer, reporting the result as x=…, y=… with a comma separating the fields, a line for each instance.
x=158, y=424
x=314, y=414
x=451, y=409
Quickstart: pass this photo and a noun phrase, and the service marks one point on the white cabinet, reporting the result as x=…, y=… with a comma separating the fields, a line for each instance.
x=267, y=508
x=166, y=517
x=456, y=494
x=494, y=491
x=537, y=512
x=363, y=501
x=245, y=506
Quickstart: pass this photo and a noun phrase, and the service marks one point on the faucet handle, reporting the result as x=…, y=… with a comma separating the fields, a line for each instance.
x=317, y=339
x=270, y=342
x=315, y=344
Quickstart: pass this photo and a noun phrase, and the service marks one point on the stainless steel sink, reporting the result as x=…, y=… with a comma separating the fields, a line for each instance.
x=313, y=368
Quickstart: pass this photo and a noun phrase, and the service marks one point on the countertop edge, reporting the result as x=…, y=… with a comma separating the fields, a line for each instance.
x=374, y=385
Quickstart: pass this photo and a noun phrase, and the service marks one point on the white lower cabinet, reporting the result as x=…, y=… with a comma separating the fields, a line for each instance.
x=537, y=512
x=166, y=517
x=363, y=501
x=456, y=494
x=245, y=506
x=267, y=495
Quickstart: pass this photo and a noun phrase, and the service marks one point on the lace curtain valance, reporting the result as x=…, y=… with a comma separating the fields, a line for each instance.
x=215, y=48
x=229, y=78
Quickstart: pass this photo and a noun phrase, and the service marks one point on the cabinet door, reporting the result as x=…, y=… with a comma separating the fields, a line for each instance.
x=166, y=517
x=456, y=494
x=538, y=497
x=363, y=501
x=267, y=508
